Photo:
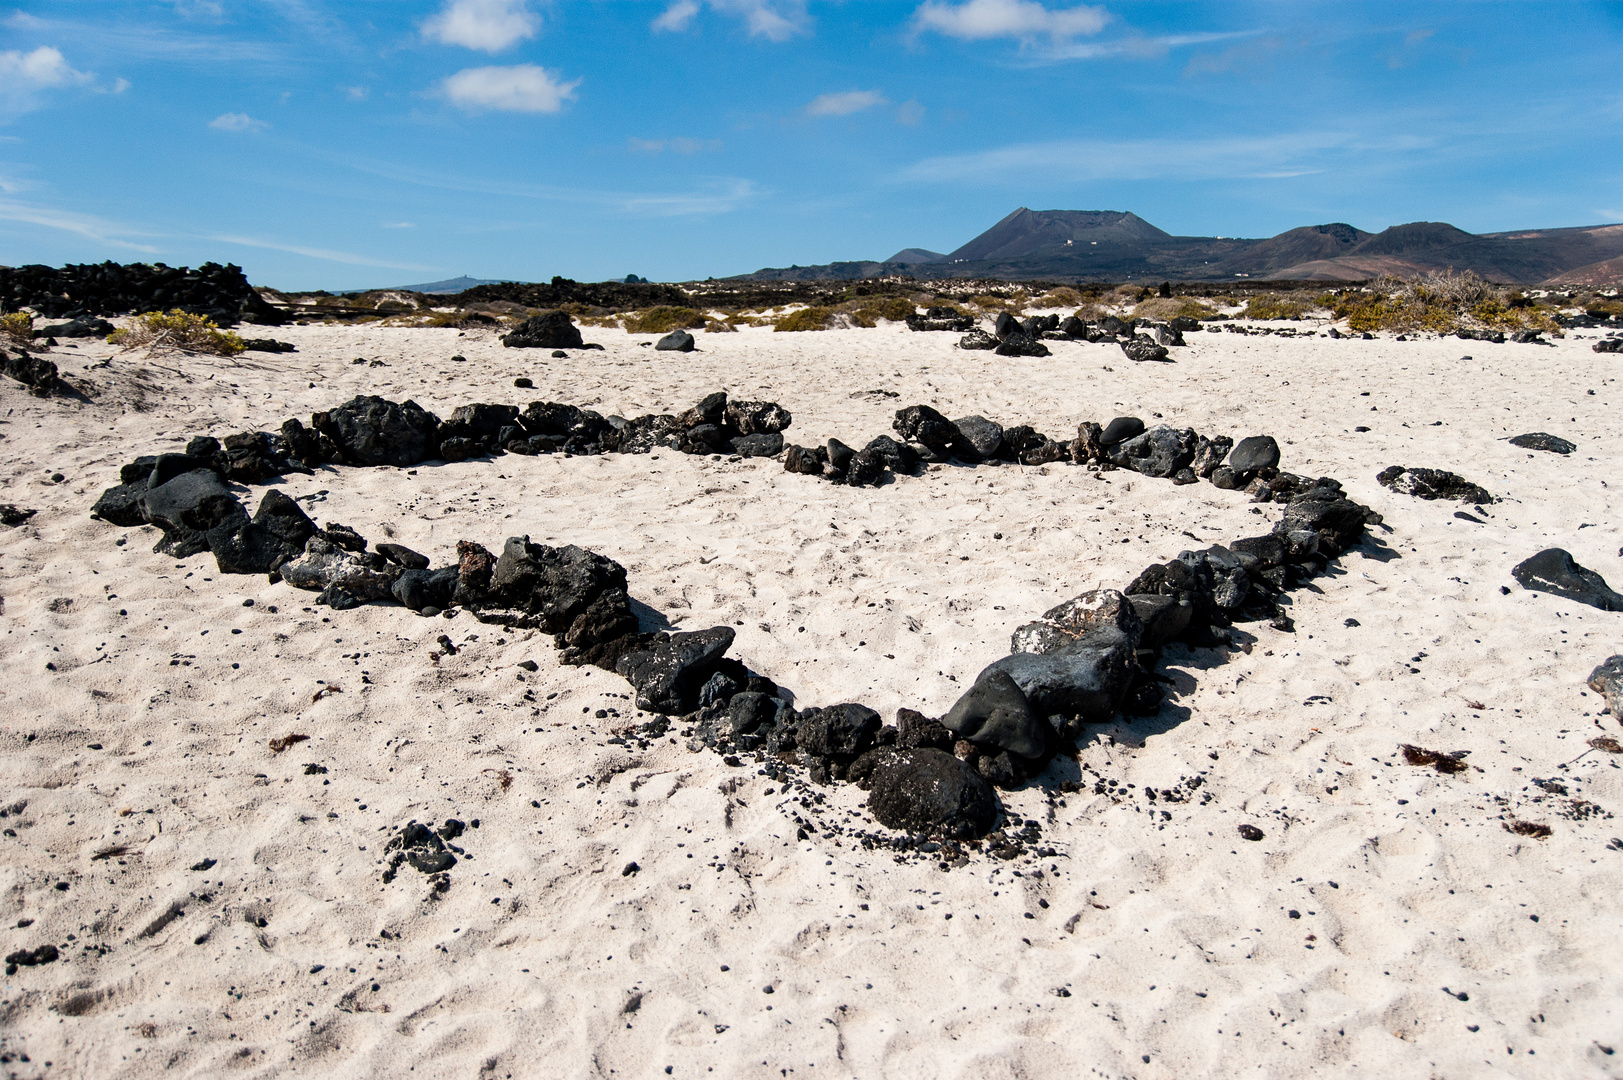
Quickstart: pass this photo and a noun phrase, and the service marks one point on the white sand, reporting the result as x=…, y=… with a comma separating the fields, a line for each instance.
x=1180, y=959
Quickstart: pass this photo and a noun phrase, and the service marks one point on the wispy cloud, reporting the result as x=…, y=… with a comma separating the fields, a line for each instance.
x=91, y=228
x=1136, y=46
x=1261, y=157
x=520, y=88
x=135, y=40
x=356, y=93
x=1024, y=20
x=845, y=103
x=910, y=113
x=236, y=121
x=25, y=75
x=487, y=25
x=399, y=224
x=678, y=145
x=775, y=20
x=324, y=254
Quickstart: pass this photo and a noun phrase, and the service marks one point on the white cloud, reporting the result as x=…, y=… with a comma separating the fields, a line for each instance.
x=325, y=254
x=236, y=121
x=487, y=25
x=104, y=232
x=845, y=103
x=521, y=88
x=1080, y=159
x=979, y=20
x=24, y=74
x=678, y=145
x=399, y=224
x=678, y=17
x=910, y=113
x=356, y=93
x=120, y=85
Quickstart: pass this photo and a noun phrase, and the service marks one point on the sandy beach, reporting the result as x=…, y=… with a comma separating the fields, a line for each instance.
x=219, y=907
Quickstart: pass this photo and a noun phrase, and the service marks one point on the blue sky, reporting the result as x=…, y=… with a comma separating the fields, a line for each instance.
x=350, y=143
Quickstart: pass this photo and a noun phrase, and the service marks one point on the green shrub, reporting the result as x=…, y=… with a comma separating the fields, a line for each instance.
x=868, y=312
x=178, y=330
x=1276, y=306
x=812, y=318
x=1177, y=307
x=19, y=326
x=662, y=320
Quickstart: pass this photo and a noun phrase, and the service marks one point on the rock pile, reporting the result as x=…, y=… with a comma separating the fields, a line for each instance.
x=73, y=292
x=1079, y=664
x=34, y=372
x=1140, y=339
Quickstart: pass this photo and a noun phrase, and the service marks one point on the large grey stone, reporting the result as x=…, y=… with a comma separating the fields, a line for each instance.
x=1159, y=452
x=1255, y=453
x=1084, y=681
x=983, y=435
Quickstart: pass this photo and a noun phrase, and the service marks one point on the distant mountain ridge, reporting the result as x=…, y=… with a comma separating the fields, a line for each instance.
x=1118, y=245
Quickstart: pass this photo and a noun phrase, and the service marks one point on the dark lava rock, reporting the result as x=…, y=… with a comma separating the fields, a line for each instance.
x=83, y=327
x=898, y=457
x=420, y=588
x=866, y=468
x=1608, y=345
x=994, y=712
x=44, y=954
x=480, y=424
x=839, y=456
x=1084, y=681
x=1255, y=454
x=668, y=676
x=839, y=731
x=922, y=424
x=1432, y=484
x=420, y=847
x=914, y=729
x=677, y=340
x=1067, y=623
x=807, y=460
x=34, y=372
x=403, y=556
x=940, y=318
x=927, y=792
x=1554, y=571
x=1141, y=348
x=548, y=330
x=15, y=515
x=1250, y=832
x=756, y=417
x=977, y=340
x=187, y=507
x=1164, y=618
x=1021, y=343
x=371, y=431
x=555, y=584
x=270, y=345
x=1538, y=440
x=1209, y=455
x=1333, y=521
x=121, y=505
x=758, y=445
x=277, y=533
x=1159, y=452
x=1120, y=429
x=984, y=435
x=344, y=537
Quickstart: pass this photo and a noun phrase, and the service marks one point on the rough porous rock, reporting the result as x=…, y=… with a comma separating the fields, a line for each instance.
x=983, y=435
x=1538, y=440
x=403, y=556
x=1209, y=455
x=914, y=729
x=370, y=430
x=1065, y=623
x=548, y=330
x=1432, y=484
x=1164, y=618
x=922, y=424
x=1141, y=348
x=1159, y=452
x=838, y=731
x=1554, y=571
x=667, y=677
x=1607, y=681
x=995, y=712
x=928, y=792
x=554, y=585
x=940, y=318
x=978, y=341
x=756, y=417
x=758, y=445
x=898, y=457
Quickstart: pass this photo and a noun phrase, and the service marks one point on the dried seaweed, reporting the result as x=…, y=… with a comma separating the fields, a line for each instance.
x=1443, y=763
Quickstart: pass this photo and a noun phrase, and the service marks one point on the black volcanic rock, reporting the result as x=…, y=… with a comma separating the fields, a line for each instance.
x=1554, y=571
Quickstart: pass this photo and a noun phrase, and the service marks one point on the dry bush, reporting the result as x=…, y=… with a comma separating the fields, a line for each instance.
x=1439, y=303
x=1277, y=306
x=1176, y=307
x=1062, y=297
x=662, y=320
x=177, y=330
x=812, y=318
x=1016, y=301
x=716, y=326
x=869, y=310
x=18, y=326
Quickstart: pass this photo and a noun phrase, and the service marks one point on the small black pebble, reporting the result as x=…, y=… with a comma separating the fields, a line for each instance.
x=95, y=746
x=248, y=602
x=528, y=665
x=57, y=478
x=1505, y=589
x=62, y=886
x=1351, y=622
x=1250, y=832
x=523, y=384
x=1295, y=914
x=724, y=967
x=631, y=868
x=767, y=990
